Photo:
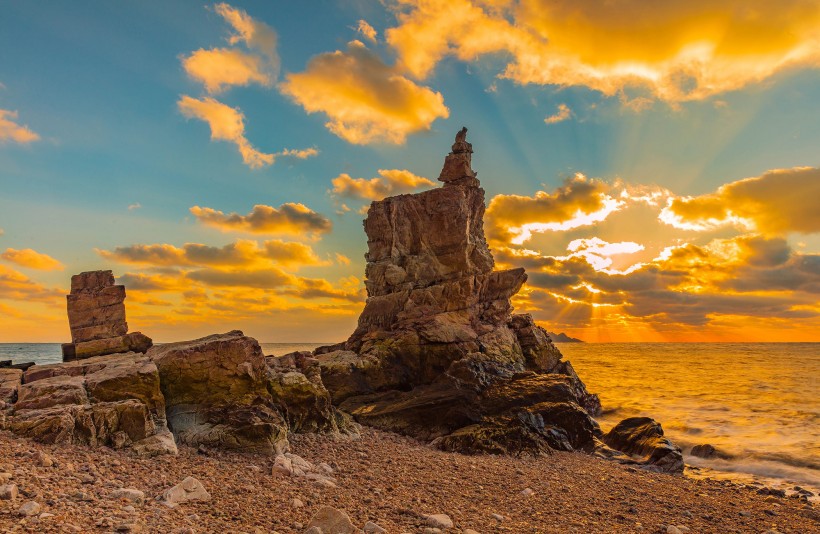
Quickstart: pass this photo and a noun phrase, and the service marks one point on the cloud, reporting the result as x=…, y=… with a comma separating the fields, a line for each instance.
x=11, y=131
x=289, y=218
x=365, y=100
x=17, y=286
x=779, y=201
x=134, y=206
x=675, y=51
x=367, y=31
x=254, y=34
x=219, y=68
x=31, y=259
x=561, y=115
x=241, y=253
x=304, y=153
x=227, y=124
x=389, y=182
x=579, y=202
x=260, y=279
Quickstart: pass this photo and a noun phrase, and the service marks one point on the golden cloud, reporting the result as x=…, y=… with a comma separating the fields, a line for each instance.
x=11, y=131
x=15, y=285
x=389, y=182
x=365, y=100
x=367, y=31
x=227, y=124
x=243, y=252
x=563, y=113
x=221, y=67
x=676, y=51
x=290, y=218
x=777, y=202
x=579, y=202
x=254, y=34
x=31, y=259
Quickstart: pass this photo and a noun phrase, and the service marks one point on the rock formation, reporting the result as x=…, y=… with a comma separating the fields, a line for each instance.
x=96, y=315
x=642, y=438
x=437, y=353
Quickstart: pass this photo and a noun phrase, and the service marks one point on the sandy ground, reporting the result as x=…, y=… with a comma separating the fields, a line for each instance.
x=388, y=479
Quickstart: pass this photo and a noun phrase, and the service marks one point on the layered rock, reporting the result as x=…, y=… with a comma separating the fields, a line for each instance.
x=113, y=401
x=96, y=316
x=642, y=438
x=437, y=353
x=9, y=382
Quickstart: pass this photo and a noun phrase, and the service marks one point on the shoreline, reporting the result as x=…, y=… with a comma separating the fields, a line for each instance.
x=381, y=477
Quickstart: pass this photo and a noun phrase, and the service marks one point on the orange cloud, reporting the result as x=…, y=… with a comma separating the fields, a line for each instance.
x=777, y=202
x=675, y=51
x=243, y=252
x=579, y=202
x=17, y=286
x=365, y=100
x=221, y=67
x=32, y=259
x=563, y=113
x=367, y=31
x=389, y=182
x=254, y=34
x=11, y=131
x=227, y=124
x=289, y=218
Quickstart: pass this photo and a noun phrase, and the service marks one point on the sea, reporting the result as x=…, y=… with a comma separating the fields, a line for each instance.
x=757, y=402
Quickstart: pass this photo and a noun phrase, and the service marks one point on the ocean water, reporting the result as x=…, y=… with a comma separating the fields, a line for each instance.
x=759, y=402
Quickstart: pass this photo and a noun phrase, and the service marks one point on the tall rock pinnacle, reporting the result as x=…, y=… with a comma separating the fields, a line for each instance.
x=457, y=168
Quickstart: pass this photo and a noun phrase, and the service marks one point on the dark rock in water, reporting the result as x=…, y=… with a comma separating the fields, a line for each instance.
x=96, y=315
x=563, y=338
x=708, y=452
x=6, y=364
x=437, y=353
x=643, y=437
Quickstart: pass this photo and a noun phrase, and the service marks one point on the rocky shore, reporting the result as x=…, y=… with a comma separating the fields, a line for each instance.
x=383, y=478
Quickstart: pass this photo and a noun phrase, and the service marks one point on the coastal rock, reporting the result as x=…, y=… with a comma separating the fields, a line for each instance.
x=112, y=400
x=708, y=452
x=643, y=437
x=96, y=315
x=9, y=383
x=438, y=353
x=216, y=393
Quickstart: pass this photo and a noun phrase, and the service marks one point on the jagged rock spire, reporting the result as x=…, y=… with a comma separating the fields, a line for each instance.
x=457, y=168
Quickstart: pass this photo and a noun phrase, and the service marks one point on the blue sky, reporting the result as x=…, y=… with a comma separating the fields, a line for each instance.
x=100, y=83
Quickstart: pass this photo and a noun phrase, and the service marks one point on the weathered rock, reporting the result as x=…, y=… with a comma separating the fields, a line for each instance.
x=8, y=492
x=216, y=393
x=709, y=451
x=96, y=315
x=439, y=521
x=9, y=382
x=190, y=489
x=29, y=508
x=130, y=495
x=332, y=521
x=113, y=400
x=643, y=437
x=437, y=353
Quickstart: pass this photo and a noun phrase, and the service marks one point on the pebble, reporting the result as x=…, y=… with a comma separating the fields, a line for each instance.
x=43, y=460
x=131, y=495
x=527, y=492
x=745, y=513
x=333, y=521
x=296, y=503
x=439, y=521
x=372, y=528
x=8, y=492
x=29, y=509
x=498, y=517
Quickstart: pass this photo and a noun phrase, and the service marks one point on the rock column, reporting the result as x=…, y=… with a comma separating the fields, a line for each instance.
x=96, y=315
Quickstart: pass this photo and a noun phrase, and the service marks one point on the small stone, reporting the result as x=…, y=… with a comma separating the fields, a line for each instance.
x=189, y=489
x=745, y=513
x=131, y=495
x=527, y=492
x=296, y=503
x=128, y=509
x=282, y=466
x=498, y=517
x=29, y=509
x=439, y=521
x=770, y=512
x=672, y=529
x=8, y=492
x=469, y=531
x=43, y=460
x=332, y=521
x=431, y=530
x=372, y=528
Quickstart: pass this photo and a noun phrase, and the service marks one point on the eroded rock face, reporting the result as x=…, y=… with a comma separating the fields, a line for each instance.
x=216, y=392
x=96, y=315
x=437, y=353
x=643, y=439
x=113, y=401
x=9, y=382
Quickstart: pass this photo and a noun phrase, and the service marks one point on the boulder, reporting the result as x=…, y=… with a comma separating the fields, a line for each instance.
x=190, y=489
x=96, y=316
x=112, y=401
x=9, y=382
x=216, y=393
x=438, y=353
x=643, y=439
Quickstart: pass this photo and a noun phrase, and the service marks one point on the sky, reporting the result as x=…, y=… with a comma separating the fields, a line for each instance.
x=654, y=166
